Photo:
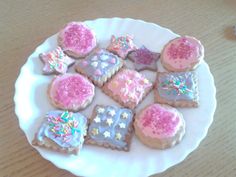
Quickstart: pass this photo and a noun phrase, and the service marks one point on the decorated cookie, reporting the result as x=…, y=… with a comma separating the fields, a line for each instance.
x=99, y=66
x=121, y=46
x=76, y=39
x=128, y=87
x=182, y=54
x=159, y=126
x=111, y=127
x=71, y=92
x=62, y=131
x=177, y=89
x=144, y=59
x=56, y=62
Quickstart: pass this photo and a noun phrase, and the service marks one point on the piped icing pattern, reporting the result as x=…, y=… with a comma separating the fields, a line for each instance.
x=177, y=86
x=99, y=65
x=65, y=128
x=144, y=59
x=77, y=38
x=130, y=86
x=158, y=121
x=56, y=61
x=111, y=125
x=121, y=45
x=71, y=91
x=183, y=53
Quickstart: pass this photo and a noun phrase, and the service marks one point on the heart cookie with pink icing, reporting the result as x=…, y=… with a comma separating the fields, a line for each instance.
x=182, y=54
x=159, y=126
x=76, y=39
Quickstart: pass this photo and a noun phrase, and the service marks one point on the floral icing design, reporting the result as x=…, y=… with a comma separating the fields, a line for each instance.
x=159, y=121
x=65, y=128
x=56, y=61
x=108, y=129
x=177, y=86
x=121, y=45
x=144, y=59
x=129, y=85
x=99, y=64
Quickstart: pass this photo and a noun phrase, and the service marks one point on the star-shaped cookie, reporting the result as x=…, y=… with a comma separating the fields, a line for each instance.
x=56, y=62
x=144, y=59
x=121, y=46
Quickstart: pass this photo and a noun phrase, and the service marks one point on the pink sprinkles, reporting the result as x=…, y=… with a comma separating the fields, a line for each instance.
x=73, y=89
x=184, y=50
x=161, y=121
x=78, y=37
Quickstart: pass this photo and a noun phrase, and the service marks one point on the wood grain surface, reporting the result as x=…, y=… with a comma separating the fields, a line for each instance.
x=26, y=24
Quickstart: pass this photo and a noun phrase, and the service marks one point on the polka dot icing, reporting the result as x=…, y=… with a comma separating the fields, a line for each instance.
x=130, y=86
x=182, y=54
x=99, y=65
x=77, y=39
x=108, y=126
x=144, y=59
x=56, y=61
x=65, y=128
x=121, y=45
x=71, y=91
x=158, y=121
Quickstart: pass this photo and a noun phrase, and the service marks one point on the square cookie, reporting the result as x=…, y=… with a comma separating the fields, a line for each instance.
x=62, y=131
x=111, y=127
x=99, y=66
x=177, y=89
x=128, y=87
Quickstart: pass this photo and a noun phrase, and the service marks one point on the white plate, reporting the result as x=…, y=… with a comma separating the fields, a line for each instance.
x=31, y=103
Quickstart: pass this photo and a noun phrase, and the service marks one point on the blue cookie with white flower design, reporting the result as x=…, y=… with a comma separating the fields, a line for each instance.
x=111, y=127
x=178, y=89
x=100, y=66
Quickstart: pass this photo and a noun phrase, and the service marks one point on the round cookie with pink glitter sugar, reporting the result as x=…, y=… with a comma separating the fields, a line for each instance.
x=71, y=92
x=77, y=39
x=159, y=126
x=182, y=54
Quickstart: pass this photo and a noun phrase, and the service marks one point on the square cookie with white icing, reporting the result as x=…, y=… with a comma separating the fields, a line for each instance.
x=110, y=127
x=179, y=89
x=99, y=66
x=62, y=131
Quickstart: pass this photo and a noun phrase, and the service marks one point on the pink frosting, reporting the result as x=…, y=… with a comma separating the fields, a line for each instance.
x=182, y=52
x=78, y=38
x=121, y=45
x=157, y=121
x=71, y=90
x=129, y=85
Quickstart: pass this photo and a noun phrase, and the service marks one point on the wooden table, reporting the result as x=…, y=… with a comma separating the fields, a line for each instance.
x=25, y=24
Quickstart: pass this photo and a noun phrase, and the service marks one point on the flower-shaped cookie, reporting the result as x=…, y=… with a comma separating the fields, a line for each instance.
x=144, y=59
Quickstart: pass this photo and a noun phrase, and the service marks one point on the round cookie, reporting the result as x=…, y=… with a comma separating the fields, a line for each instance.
x=182, y=54
x=159, y=126
x=76, y=39
x=71, y=92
